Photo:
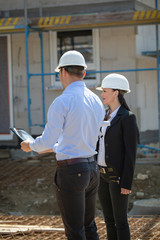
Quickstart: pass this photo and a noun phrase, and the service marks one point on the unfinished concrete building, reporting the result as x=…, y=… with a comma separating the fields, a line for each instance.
x=113, y=36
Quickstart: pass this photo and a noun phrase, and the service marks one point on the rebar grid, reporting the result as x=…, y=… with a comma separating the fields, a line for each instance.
x=26, y=173
x=142, y=228
x=146, y=227
x=21, y=172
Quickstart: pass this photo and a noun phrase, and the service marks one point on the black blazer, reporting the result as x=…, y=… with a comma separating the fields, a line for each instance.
x=121, y=140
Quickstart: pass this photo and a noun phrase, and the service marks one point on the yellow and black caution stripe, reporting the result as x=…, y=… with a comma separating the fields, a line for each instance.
x=82, y=21
x=52, y=21
x=7, y=24
x=8, y=21
x=146, y=15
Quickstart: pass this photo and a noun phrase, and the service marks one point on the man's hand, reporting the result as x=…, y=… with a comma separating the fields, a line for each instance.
x=46, y=151
x=25, y=146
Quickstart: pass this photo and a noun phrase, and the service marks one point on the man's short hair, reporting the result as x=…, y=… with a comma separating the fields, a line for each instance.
x=75, y=70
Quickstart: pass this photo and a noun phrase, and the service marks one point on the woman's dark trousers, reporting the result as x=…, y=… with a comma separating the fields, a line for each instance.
x=114, y=206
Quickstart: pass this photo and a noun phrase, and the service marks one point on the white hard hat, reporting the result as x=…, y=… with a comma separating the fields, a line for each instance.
x=71, y=58
x=115, y=81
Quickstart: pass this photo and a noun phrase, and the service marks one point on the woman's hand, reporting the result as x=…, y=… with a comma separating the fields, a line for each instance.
x=125, y=191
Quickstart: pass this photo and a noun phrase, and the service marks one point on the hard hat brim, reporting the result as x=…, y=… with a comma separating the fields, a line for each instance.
x=99, y=88
x=57, y=69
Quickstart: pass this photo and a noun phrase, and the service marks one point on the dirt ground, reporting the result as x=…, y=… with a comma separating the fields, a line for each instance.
x=26, y=185
x=146, y=182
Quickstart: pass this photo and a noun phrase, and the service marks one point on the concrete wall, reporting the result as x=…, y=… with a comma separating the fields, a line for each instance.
x=121, y=48
x=150, y=3
x=118, y=51
x=19, y=4
x=20, y=80
x=147, y=94
x=146, y=38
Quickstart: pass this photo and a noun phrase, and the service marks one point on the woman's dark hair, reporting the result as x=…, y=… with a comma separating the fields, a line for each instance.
x=122, y=99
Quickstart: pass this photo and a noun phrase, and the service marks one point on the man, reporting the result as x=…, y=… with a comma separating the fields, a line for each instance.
x=74, y=120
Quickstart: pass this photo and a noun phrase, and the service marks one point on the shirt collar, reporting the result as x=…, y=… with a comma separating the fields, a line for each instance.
x=75, y=84
x=113, y=114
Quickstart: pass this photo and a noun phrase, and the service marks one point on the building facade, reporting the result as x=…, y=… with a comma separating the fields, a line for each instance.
x=110, y=36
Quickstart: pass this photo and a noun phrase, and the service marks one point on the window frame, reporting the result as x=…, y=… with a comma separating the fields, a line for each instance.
x=95, y=66
x=9, y=136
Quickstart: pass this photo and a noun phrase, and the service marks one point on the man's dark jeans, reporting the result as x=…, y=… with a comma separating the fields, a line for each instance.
x=76, y=188
x=115, y=206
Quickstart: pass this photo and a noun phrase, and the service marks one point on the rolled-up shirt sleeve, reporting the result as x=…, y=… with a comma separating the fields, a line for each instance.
x=53, y=128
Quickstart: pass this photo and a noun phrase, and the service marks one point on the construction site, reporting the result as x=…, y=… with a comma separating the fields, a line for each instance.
x=114, y=36
x=28, y=207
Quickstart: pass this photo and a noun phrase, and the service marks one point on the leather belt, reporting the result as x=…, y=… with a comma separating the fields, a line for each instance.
x=102, y=169
x=109, y=174
x=72, y=161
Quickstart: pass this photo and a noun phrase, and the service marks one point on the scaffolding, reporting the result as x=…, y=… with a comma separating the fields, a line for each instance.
x=83, y=21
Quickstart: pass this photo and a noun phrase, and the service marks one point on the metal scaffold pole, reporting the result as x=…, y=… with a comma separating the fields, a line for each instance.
x=158, y=73
x=29, y=75
x=27, y=65
x=42, y=78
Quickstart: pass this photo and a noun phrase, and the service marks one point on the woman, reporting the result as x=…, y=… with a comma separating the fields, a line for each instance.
x=116, y=156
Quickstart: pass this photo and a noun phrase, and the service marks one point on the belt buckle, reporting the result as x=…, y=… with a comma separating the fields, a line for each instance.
x=102, y=170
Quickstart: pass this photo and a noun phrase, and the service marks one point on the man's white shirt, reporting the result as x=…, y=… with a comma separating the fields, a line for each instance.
x=73, y=123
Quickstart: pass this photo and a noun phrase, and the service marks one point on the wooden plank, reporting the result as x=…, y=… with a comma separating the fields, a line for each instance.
x=9, y=228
